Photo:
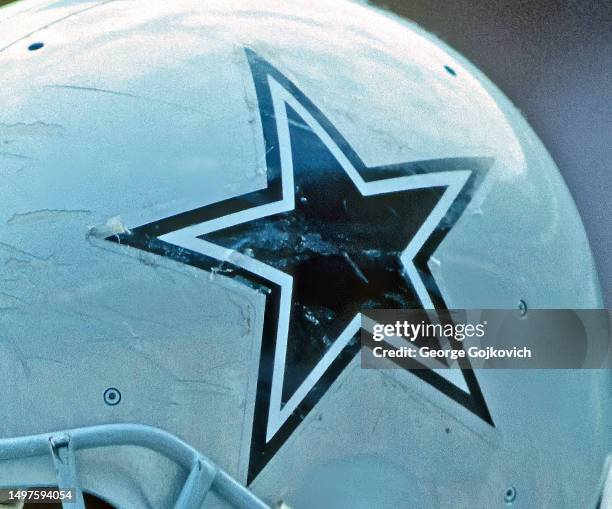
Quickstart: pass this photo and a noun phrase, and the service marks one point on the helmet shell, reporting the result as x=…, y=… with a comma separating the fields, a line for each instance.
x=131, y=113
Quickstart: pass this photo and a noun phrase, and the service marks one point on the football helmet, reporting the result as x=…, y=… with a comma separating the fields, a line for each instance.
x=198, y=198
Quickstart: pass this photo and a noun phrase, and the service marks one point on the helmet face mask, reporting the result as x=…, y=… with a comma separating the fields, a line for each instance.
x=259, y=191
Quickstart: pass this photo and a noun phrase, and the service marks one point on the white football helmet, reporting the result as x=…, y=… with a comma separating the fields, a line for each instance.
x=197, y=198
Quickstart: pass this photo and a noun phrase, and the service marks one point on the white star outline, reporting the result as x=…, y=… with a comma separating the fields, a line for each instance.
x=187, y=238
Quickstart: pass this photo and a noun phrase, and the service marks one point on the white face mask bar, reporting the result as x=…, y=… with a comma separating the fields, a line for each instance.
x=204, y=476
x=605, y=501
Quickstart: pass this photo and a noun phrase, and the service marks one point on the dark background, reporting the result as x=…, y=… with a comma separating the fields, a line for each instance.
x=554, y=60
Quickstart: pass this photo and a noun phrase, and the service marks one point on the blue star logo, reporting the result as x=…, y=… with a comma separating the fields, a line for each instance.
x=327, y=237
